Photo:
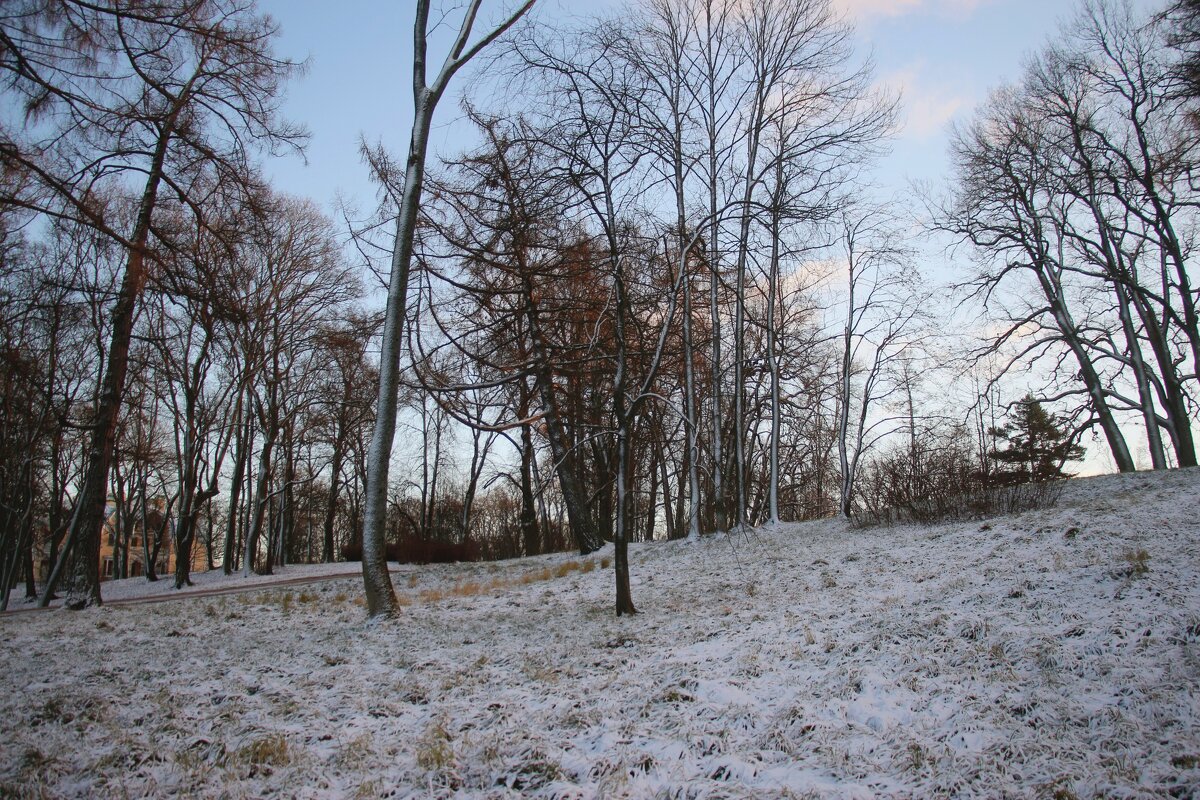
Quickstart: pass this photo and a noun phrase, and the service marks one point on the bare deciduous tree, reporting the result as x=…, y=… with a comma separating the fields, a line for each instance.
x=381, y=596
x=168, y=97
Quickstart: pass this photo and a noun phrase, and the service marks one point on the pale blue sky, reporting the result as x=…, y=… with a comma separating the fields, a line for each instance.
x=945, y=54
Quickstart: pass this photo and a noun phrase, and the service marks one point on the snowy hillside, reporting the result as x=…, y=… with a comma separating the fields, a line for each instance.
x=1054, y=653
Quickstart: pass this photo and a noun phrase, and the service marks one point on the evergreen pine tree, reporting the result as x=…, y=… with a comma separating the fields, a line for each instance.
x=1038, y=445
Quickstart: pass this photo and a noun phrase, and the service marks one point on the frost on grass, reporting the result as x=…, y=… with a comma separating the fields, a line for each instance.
x=1053, y=653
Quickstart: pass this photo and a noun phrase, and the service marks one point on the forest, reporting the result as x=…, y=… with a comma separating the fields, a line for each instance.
x=658, y=297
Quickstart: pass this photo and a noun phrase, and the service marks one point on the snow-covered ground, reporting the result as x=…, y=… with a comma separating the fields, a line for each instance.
x=132, y=590
x=1054, y=653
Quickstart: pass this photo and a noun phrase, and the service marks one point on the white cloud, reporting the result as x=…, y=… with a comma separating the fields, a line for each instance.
x=960, y=9
x=868, y=10
x=926, y=108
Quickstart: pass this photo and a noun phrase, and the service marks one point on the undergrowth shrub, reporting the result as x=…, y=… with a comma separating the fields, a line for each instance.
x=415, y=550
x=937, y=478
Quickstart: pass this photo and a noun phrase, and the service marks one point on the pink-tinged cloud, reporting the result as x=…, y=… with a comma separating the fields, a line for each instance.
x=867, y=10
x=926, y=108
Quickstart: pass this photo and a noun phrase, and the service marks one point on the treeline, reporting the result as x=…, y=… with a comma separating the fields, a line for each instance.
x=653, y=301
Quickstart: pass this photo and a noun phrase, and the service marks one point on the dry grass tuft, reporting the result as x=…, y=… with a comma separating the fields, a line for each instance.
x=432, y=595
x=469, y=589
x=1138, y=563
x=537, y=576
x=477, y=588
x=271, y=750
x=566, y=568
x=435, y=750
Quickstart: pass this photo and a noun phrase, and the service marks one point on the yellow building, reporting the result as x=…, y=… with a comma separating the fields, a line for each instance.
x=110, y=549
x=165, y=562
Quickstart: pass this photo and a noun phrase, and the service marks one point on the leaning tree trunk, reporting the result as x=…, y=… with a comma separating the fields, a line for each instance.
x=1174, y=400
x=1154, y=443
x=377, y=584
x=381, y=595
x=82, y=542
x=1091, y=379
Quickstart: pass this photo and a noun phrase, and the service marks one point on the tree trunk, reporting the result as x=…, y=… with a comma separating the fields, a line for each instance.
x=624, y=599
x=529, y=521
x=846, y=495
x=82, y=543
x=240, y=458
x=1091, y=380
x=565, y=462
x=261, y=499
x=335, y=480
x=772, y=355
x=381, y=595
x=652, y=501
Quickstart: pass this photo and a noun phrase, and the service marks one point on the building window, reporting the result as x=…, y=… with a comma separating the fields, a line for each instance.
x=112, y=539
x=108, y=567
x=135, y=569
x=136, y=542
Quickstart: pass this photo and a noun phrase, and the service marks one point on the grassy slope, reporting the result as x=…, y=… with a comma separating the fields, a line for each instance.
x=1055, y=652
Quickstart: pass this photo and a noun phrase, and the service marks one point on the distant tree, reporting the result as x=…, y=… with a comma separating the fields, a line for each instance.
x=1039, y=445
x=345, y=408
x=883, y=310
x=294, y=286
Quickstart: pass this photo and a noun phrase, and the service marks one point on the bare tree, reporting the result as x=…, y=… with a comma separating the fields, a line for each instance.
x=348, y=378
x=1080, y=176
x=882, y=303
x=519, y=266
x=381, y=596
x=295, y=281
x=185, y=325
x=1000, y=207
x=170, y=95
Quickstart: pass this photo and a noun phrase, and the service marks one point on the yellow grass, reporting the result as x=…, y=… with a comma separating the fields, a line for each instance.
x=475, y=588
x=472, y=588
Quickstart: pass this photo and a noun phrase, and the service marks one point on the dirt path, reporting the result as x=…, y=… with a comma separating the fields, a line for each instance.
x=224, y=589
